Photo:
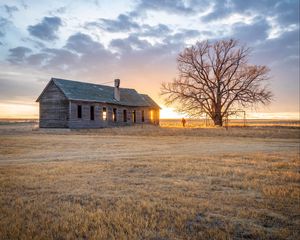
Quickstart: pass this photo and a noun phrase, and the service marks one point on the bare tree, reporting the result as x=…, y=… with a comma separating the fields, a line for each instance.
x=216, y=79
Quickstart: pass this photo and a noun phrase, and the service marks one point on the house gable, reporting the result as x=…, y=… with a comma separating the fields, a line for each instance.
x=50, y=84
x=54, y=107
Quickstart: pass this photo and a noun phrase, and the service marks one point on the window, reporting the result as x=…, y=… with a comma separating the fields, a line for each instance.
x=79, y=111
x=114, y=114
x=104, y=114
x=124, y=115
x=134, y=116
x=92, y=112
x=143, y=116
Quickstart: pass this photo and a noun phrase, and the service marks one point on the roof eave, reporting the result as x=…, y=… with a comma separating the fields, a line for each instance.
x=116, y=103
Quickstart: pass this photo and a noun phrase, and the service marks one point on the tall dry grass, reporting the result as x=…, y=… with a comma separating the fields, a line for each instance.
x=149, y=183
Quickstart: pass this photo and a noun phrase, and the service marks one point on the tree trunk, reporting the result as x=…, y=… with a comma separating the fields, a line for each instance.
x=218, y=120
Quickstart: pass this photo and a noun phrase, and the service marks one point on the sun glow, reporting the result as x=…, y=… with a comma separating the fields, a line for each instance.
x=169, y=113
x=31, y=111
x=20, y=111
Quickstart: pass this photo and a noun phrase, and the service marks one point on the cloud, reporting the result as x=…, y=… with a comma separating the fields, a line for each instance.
x=14, y=89
x=18, y=54
x=286, y=11
x=37, y=59
x=3, y=24
x=60, y=10
x=138, y=55
x=19, y=83
x=170, y=6
x=220, y=10
x=254, y=32
x=282, y=56
x=52, y=59
x=47, y=29
x=80, y=54
x=278, y=49
x=62, y=59
x=10, y=10
x=181, y=36
x=92, y=55
x=159, y=30
x=123, y=23
x=135, y=42
x=36, y=44
x=83, y=43
x=130, y=43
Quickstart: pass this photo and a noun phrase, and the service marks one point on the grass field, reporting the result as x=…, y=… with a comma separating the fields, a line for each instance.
x=150, y=183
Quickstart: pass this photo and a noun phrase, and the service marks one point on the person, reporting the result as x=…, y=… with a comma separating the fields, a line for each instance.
x=183, y=121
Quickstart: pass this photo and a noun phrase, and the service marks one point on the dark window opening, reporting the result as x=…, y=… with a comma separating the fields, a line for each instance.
x=114, y=114
x=124, y=115
x=134, y=116
x=104, y=114
x=79, y=111
x=143, y=116
x=92, y=112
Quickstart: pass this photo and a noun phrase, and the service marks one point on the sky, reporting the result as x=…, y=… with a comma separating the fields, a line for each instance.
x=138, y=41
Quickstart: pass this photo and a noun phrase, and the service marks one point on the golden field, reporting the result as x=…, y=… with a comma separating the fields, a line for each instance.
x=150, y=182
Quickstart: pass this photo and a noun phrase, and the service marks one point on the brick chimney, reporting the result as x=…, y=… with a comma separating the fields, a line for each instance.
x=117, y=90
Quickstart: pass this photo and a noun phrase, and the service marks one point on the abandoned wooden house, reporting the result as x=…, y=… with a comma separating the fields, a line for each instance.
x=71, y=104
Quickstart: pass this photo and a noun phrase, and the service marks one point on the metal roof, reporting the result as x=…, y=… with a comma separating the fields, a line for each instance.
x=81, y=91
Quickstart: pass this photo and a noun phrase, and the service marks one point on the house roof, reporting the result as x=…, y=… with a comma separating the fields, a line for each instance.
x=81, y=91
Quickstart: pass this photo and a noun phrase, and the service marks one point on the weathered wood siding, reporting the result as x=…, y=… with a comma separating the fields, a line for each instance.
x=98, y=122
x=54, y=108
x=85, y=120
